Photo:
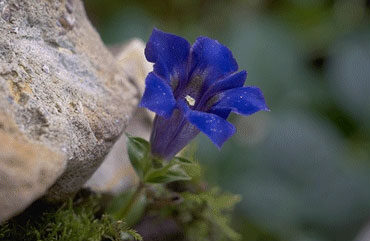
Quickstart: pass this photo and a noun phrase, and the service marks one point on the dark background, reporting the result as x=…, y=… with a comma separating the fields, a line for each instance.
x=303, y=169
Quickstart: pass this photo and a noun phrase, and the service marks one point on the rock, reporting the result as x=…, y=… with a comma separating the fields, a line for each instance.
x=116, y=172
x=64, y=90
x=132, y=60
x=364, y=234
x=26, y=169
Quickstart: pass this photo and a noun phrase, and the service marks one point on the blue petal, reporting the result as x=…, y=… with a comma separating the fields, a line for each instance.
x=158, y=96
x=215, y=127
x=232, y=81
x=244, y=100
x=211, y=60
x=169, y=53
x=223, y=113
x=171, y=135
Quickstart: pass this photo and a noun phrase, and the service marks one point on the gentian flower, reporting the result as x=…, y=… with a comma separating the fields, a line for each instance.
x=193, y=89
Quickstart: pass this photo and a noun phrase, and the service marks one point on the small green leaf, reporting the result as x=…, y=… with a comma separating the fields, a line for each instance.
x=138, y=151
x=183, y=160
x=177, y=172
x=136, y=211
x=211, y=210
x=191, y=167
x=169, y=173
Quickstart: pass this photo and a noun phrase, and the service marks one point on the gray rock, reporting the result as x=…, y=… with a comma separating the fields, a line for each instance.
x=64, y=91
x=116, y=172
x=364, y=234
x=27, y=169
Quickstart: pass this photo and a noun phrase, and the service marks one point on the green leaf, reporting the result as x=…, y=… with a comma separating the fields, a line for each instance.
x=192, y=168
x=183, y=160
x=169, y=173
x=138, y=152
x=136, y=211
x=178, y=169
x=211, y=210
x=178, y=172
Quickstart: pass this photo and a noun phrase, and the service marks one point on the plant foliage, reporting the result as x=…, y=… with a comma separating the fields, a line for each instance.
x=70, y=222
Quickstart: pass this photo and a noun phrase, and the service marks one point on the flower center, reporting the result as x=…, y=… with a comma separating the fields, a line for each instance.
x=190, y=100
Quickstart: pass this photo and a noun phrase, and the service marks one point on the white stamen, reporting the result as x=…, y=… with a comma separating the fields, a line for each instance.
x=190, y=100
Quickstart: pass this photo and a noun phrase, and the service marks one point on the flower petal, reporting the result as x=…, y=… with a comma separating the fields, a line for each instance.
x=215, y=127
x=223, y=113
x=171, y=135
x=169, y=53
x=158, y=96
x=244, y=100
x=232, y=81
x=211, y=60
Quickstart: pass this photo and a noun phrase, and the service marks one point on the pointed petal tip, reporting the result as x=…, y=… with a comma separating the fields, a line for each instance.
x=244, y=101
x=220, y=142
x=168, y=52
x=216, y=128
x=264, y=107
x=209, y=54
x=157, y=30
x=242, y=73
x=219, y=147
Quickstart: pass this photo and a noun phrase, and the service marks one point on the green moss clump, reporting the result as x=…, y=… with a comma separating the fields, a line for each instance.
x=4, y=231
x=70, y=222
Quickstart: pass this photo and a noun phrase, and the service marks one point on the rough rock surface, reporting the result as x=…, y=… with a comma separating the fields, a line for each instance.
x=26, y=169
x=63, y=90
x=116, y=172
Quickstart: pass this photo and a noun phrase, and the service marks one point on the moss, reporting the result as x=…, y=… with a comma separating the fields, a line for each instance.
x=200, y=214
x=80, y=220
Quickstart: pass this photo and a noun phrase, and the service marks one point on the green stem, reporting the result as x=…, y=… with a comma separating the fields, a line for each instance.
x=122, y=213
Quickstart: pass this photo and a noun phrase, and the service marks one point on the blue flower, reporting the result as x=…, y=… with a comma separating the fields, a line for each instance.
x=193, y=89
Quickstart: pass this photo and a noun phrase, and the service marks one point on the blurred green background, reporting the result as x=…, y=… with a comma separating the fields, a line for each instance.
x=303, y=169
